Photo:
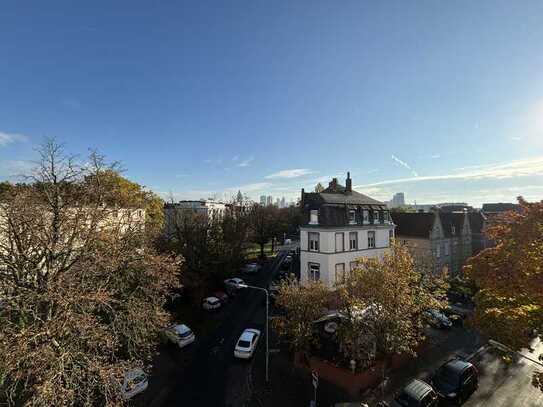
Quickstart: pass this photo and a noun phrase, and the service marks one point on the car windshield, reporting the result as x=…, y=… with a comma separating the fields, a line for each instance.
x=133, y=382
x=244, y=344
x=185, y=334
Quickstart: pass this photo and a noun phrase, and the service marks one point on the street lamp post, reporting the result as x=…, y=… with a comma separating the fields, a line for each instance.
x=267, y=343
x=505, y=348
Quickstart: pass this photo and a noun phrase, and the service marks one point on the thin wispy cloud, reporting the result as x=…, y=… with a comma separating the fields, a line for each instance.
x=16, y=168
x=217, y=161
x=181, y=175
x=9, y=138
x=235, y=158
x=246, y=163
x=518, y=168
x=435, y=156
x=293, y=173
x=251, y=188
x=405, y=165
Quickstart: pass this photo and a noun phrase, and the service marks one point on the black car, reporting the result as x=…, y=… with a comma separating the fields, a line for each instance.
x=455, y=380
x=416, y=394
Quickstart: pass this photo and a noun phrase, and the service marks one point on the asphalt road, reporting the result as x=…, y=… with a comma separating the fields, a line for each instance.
x=209, y=368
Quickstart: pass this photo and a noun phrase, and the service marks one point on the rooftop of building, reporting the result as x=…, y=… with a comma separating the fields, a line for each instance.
x=339, y=194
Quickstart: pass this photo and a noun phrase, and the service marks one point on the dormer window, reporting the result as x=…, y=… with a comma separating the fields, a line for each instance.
x=386, y=217
x=314, y=217
x=352, y=217
x=366, y=216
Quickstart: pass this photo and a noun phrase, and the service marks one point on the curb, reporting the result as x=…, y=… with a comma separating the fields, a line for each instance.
x=477, y=353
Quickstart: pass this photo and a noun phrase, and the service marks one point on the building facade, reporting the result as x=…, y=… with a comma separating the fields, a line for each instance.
x=443, y=240
x=209, y=208
x=340, y=226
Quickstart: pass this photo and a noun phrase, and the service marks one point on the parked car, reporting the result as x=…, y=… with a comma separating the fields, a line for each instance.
x=180, y=334
x=456, y=380
x=222, y=296
x=211, y=303
x=416, y=394
x=246, y=345
x=251, y=268
x=437, y=319
x=135, y=381
x=231, y=286
x=458, y=309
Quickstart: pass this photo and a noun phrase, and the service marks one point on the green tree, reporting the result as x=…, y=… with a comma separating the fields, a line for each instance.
x=128, y=194
x=262, y=225
x=319, y=187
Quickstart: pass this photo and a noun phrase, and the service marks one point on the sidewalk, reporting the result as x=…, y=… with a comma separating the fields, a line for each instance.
x=442, y=346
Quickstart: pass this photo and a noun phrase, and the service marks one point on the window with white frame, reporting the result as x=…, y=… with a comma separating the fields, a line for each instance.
x=386, y=216
x=353, y=240
x=352, y=217
x=314, y=272
x=340, y=242
x=375, y=216
x=438, y=251
x=314, y=217
x=371, y=240
x=366, y=216
x=340, y=273
x=313, y=241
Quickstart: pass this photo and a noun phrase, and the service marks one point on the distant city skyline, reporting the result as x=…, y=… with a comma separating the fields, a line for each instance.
x=443, y=101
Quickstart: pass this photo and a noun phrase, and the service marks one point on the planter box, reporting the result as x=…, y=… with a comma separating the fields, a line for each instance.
x=352, y=383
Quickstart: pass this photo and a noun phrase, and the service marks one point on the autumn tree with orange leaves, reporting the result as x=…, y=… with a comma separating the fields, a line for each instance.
x=81, y=291
x=509, y=276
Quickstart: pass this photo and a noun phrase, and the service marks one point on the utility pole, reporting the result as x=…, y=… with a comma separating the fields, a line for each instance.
x=267, y=341
x=505, y=348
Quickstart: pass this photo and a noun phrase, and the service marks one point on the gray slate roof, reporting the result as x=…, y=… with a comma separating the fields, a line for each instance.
x=340, y=195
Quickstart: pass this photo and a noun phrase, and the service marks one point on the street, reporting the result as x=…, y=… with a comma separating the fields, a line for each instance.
x=207, y=373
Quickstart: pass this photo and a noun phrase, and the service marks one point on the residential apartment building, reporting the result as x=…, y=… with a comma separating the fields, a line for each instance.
x=440, y=238
x=340, y=225
x=209, y=208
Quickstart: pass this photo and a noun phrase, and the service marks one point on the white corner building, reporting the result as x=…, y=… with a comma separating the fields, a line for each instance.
x=340, y=226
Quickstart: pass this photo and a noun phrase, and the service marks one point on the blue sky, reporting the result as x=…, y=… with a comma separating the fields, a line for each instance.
x=440, y=100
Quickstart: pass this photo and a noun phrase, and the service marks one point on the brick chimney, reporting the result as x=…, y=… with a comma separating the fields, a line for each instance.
x=333, y=184
x=349, y=183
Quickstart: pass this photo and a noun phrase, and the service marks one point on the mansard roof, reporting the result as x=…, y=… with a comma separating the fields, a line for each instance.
x=339, y=195
x=413, y=224
x=419, y=224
